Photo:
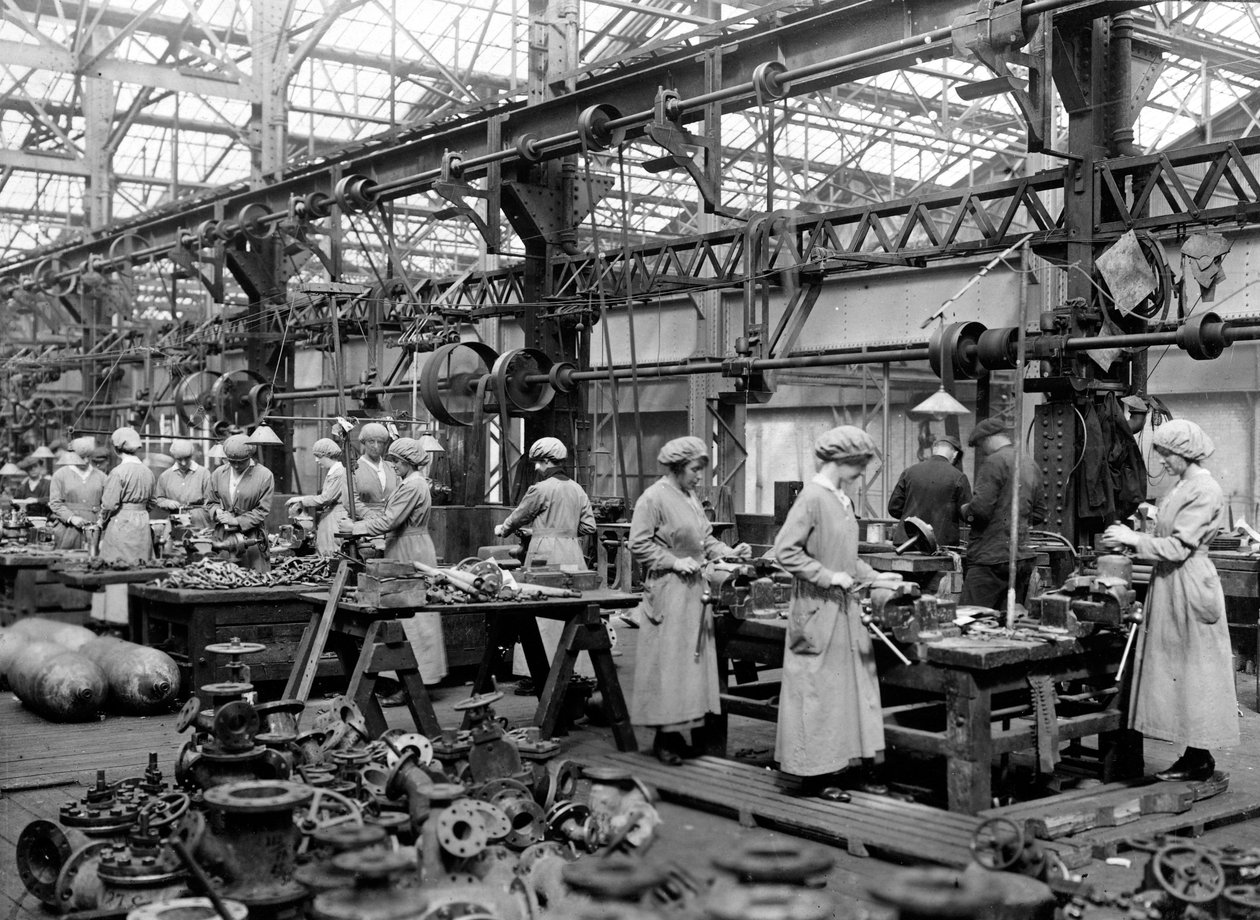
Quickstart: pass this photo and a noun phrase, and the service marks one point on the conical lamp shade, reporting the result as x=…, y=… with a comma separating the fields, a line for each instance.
x=939, y=405
x=264, y=435
x=431, y=444
x=11, y=469
x=43, y=453
x=216, y=453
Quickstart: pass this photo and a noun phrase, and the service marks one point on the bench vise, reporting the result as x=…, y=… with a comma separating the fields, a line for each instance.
x=1085, y=602
x=912, y=616
x=757, y=589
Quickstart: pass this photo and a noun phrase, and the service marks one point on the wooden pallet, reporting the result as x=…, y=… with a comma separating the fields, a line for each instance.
x=904, y=832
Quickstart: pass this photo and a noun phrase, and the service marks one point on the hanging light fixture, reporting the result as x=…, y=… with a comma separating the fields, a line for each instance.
x=431, y=444
x=939, y=405
x=11, y=469
x=216, y=453
x=264, y=434
x=43, y=453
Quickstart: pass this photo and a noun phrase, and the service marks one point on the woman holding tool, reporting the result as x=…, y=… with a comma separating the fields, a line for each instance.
x=74, y=495
x=185, y=486
x=241, y=491
x=404, y=523
x=1183, y=677
x=675, y=673
x=331, y=500
x=125, y=533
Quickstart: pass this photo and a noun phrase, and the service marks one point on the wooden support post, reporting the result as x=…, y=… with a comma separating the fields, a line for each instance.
x=969, y=743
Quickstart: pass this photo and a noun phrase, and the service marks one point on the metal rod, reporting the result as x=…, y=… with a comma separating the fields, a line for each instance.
x=1021, y=345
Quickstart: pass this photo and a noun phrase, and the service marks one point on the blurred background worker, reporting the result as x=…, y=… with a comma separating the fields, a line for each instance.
x=34, y=485
x=935, y=490
x=988, y=572
x=330, y=503
x=74, y=494
x=240, y=500
x=125, y=533
x=374, y=478
x=560, y=512
x=185, y=486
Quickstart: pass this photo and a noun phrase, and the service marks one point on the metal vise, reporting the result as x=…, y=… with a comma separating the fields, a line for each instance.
x=1090, y=599
x=910, y=615
x=758, y=589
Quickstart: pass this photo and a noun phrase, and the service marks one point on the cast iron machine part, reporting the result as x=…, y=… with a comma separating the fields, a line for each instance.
x=1091, y=598
x=776, y=861
x=919, y=537
x=376, y=893
x=318, y=873
x=250, y=838
x=493, y=755
x=748, y=588
x=231, y=754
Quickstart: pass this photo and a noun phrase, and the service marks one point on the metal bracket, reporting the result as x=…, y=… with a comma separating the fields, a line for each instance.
x=667, y=131
x=991, y=34
x=453, y=188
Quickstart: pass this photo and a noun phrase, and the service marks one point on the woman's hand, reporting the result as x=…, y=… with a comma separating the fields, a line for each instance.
x=842, y=580
x=686, y=566
x=1117, y=535
x=741, y=551
x=500, y=530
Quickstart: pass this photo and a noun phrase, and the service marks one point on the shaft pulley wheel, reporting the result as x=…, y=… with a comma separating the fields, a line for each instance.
x=451, y=381
x=192, y=397
x=957, y=346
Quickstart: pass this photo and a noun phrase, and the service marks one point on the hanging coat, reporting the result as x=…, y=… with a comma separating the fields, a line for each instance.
x=829, y=704
x=404, y=522
x=125, y=509
x=1184, y=678
x=71, y=495
x=673, y=689
x=330, y=503
x=251, y=506
x=191, y=489
x=560, y=512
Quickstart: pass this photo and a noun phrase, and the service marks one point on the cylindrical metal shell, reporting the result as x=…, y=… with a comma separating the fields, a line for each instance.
x=39, y=629
x=58, y=684
x=142, y=680
x=11, y=645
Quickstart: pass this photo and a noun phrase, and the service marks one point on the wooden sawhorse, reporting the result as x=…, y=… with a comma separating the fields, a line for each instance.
x=368, y=641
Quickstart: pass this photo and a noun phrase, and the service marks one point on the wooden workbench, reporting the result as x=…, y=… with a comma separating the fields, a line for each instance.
x=508, y=622
x=182, y=622
x=1240, y=580
x=77, y=576
x=951, y=688
x=27, y=588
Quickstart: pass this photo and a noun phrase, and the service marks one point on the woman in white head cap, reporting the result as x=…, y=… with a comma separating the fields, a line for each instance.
x=404, y=523
x=240, y=500
x=74, y=495
x=561, y=514
x=674, y=687
x=830, y=717
x=1183, y=681
x=185, y=486
x=330, y=503
x=125, y=503
x=374, y=476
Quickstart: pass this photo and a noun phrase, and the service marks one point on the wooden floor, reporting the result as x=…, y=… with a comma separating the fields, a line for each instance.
x=41, y=765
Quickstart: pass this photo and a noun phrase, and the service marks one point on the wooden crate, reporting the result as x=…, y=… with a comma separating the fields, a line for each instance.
x=387, y=585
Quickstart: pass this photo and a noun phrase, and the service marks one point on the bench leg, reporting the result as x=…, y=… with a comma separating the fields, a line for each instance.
x=552, y=698
x=969, y=738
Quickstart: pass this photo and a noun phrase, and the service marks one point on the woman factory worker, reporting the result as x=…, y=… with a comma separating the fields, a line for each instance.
x=1184, y=676
x=404, y=523
x=125, y=502
x=240, y=500
x=331, y=500
x=561, y=513
x=34, y=485
x=675, y=672
x=74, y=495
x=830, y=716
x=185, y=486
x=374, y=477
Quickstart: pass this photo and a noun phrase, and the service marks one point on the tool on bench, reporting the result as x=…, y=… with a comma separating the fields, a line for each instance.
x=1135, y=618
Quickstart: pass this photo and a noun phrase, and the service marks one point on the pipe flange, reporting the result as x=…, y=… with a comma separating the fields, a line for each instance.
x=188, y=909
x=529, y=824
x=460, y=829
x=375, y=779
x=775, y=861
x=784, y=902
x=491, y=790
x=409, y=741
x=235, y=725
x=997, y=349
x=1202, y=336
x=78, y=878
x=249, y=797
x=495, y=820
x=614, y=878
x=768, y=82
x=355, y=193
x=594, y=130
x=955, y=346
x=42, y=849
x=188, y=714
x=936, y=893
x=372, y=864
x=345, y=837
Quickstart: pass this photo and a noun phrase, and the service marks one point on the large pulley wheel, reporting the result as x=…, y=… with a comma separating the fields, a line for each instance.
x=956, y=346
x=240, y=398
x=192, y=397
x=523, y=398
x=450, y=381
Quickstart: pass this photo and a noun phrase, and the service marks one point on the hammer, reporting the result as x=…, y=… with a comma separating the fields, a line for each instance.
x=917, y=531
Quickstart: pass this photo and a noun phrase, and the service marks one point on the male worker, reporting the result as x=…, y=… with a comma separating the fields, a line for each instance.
x=988, y=553
x=935, y=490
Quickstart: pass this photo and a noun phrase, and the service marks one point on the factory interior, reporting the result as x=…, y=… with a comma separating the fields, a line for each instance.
x=629, y=459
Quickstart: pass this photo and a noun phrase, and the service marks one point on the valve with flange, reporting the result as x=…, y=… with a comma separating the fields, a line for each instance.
x=493, y=755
